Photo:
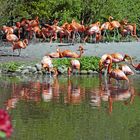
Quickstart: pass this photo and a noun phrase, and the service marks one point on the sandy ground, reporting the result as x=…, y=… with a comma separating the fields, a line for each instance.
x=35, y=51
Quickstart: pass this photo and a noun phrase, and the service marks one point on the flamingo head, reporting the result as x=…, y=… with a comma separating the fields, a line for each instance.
x=125, y=21
x=127, y=57
x=110, y=17
x=107, y=61
x=58, y=50
x=80, y=48
x=26, y=41
x=98, y=23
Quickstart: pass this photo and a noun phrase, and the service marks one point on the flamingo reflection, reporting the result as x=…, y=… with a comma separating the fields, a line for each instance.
x=74, y=93
x=112, y=94
x=47, y=91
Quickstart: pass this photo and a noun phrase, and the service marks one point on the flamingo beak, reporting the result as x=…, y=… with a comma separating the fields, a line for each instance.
x=82, y=49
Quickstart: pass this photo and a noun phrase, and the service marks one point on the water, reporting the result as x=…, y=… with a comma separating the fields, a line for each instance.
x=75, y=108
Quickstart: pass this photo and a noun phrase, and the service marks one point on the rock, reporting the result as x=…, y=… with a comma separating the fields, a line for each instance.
x=95, y=72
x=40, y=72
x=83, y=72
x=62, y=69
x=38, y=67
x=90, y=72
x=28, y=67
x=25, y=71
x=33, y=69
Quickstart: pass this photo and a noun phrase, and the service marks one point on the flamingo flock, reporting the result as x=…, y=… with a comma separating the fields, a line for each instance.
x=118, y=73
x=72, y=32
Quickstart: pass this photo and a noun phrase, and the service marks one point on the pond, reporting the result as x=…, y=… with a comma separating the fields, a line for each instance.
x=71, y=108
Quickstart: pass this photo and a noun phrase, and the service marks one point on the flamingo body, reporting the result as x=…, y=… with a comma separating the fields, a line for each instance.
x=75, y=64
x=126, y=69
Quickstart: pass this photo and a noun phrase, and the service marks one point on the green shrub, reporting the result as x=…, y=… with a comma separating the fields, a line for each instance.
x=10, y=66
x=87, y=63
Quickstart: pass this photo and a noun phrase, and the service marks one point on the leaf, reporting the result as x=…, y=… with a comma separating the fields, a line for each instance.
x=2, y=134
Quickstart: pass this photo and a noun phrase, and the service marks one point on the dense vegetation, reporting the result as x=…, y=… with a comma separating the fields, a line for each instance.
x=65, y=10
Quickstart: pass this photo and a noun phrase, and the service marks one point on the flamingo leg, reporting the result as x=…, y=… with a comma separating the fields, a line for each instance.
x=114, y=37
x=19, y=51
x=118, y=34
x=13, y=53
x=118, y=83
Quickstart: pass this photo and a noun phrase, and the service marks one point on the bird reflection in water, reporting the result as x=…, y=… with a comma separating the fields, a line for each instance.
x=47, y=89
x=71, y=93
x=75, y=93
x=110, y=93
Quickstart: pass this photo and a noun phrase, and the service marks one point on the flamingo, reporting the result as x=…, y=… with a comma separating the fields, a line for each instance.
x=11, y=37
x=19, y=45
x=114, y=25
x=128, y=29
x=69, y=54
x=116, y=58
x=55, y=54
x=93, y=29
x=7, y=29
x=47, y=65
x=104, y=27
x=116, y=73
x=136, y=66
x=75, y=65
x=126, y=69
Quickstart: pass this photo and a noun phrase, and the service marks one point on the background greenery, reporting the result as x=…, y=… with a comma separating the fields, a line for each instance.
x=65, y=10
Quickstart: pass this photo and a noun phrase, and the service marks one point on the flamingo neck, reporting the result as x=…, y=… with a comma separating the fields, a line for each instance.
x=109, y=19
x=132, y=63
x=110, y=66
x=81, y=52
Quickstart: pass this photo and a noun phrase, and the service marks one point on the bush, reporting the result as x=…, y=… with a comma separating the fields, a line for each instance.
x=87, y=63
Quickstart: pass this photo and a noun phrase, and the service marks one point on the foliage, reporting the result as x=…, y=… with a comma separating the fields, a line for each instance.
x=10, y=66
x=87, y=10
x=87, y=63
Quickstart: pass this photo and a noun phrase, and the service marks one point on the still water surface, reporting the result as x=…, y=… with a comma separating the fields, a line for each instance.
x=75, y=108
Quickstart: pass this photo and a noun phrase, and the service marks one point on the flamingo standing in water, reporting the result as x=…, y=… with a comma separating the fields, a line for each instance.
x=47, y=65
x=136, y=66
x=19, y=45
x=115, y=57
x=126, y=69
x=116, y=73
x=75, y=65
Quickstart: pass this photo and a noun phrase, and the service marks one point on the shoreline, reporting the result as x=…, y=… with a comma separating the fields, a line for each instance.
x=35, y=51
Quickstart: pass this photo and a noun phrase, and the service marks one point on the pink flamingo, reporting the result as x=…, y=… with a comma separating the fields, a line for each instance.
x=116, y=73
x=75, y=65
x=19, y=45
x=115, y=57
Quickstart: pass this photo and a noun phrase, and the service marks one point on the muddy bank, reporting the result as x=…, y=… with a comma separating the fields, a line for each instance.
x=35, y=51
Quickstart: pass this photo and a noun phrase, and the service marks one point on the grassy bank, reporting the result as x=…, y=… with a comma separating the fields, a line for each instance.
x=87, y=63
